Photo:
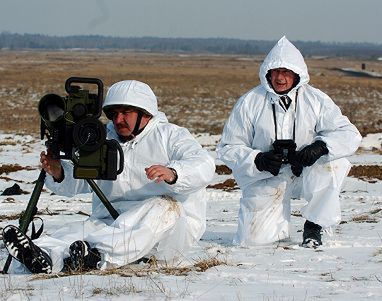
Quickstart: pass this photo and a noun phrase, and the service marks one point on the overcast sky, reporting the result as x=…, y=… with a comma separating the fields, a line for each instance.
x=308, y=20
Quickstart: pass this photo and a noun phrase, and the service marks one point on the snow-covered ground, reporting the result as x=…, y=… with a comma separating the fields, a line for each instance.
x=347, y=267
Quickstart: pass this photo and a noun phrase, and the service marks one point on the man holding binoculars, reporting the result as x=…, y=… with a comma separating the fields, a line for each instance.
x=285, y=139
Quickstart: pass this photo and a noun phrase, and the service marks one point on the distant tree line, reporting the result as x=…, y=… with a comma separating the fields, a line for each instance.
x=15, y=41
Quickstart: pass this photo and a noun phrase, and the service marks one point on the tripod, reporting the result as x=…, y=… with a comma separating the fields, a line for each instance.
x=31, y=209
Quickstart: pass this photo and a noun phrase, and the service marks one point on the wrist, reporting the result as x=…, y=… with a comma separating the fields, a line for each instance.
x=174, y=178
x=60, y=177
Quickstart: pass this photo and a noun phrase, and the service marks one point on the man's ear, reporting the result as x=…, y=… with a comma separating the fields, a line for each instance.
x=296, y=80
x=268, y=77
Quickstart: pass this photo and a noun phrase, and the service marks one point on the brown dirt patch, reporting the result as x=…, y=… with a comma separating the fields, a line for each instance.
x=227, y=185
x=366, y=172
x=223, y=170
x=8, y=168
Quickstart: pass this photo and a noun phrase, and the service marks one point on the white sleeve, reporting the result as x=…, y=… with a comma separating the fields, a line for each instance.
x=194, y=166
x=69, y=186
x=235, y=147
x=341, y=137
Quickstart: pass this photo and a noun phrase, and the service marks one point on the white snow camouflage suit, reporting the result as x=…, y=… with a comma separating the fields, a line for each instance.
x=264, y=214
x=155, y=218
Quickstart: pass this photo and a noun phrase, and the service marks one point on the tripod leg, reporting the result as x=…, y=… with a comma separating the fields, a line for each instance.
x=114, y=213
x=30, y=211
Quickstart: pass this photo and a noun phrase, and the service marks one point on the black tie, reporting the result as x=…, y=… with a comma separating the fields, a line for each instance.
x=285, y=102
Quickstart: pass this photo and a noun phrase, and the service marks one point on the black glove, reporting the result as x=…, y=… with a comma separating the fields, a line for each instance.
x=269, y=161
x=311, y=153
x=295, y=165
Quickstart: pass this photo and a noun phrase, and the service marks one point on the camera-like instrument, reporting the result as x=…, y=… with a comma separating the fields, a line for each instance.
x=286, y=148
x=74, y=131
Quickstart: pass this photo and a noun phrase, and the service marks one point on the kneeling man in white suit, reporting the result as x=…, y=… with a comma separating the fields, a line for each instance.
x=285, y=139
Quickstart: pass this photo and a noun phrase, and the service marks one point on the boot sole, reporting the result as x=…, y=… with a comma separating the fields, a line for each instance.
x=25, y=251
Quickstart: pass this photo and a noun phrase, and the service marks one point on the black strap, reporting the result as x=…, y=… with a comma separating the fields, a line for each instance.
x=274, y=119
x=136, y=131
x=294, y=122
x=36, y=234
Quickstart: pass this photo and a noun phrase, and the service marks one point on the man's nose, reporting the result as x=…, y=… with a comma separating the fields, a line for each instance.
x=118, y=117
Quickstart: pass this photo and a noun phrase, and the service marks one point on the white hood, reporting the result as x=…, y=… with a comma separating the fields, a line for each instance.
x=284, y=55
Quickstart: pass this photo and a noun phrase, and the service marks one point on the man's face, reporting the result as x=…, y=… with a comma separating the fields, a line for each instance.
x=282, y=79
x=124, y=119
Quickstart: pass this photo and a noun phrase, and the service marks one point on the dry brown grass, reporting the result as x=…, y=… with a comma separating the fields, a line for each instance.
x=150, y=268
x=195, y=91
x=364, y=218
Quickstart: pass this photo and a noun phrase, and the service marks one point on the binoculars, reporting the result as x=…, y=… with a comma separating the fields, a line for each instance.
x=286, y=148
